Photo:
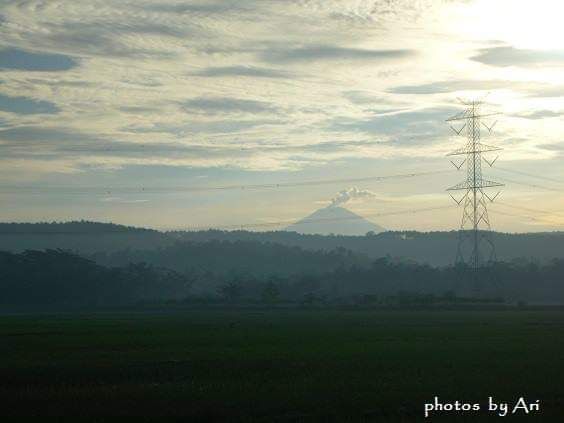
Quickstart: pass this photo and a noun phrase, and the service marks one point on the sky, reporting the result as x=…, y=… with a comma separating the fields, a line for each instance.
x=162, y=113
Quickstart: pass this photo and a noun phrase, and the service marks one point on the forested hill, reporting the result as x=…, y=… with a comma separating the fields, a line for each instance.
x=68, y=228
x=435, y=248
x=80, y=236
x=241, y=257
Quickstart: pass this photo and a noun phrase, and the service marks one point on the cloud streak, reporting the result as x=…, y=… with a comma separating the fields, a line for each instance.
x=26, y=106
x=17, y=59
x=511, y=56
x=244, y=71
x=314, y=53
x=227, y=105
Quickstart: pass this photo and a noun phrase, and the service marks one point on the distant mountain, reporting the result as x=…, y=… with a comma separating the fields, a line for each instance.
x=334, y=220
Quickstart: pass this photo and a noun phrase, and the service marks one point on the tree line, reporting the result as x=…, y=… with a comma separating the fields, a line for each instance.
x=263, y=273
x=61, y=278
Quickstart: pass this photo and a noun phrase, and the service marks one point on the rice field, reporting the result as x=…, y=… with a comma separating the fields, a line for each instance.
x=282, y=365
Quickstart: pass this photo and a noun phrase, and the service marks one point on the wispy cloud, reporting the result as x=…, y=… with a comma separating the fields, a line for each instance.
x=123, y=200
x=14, y=58
x=415, y=122
x=511, y=56
x=246, y=71
x=451, y=86
x=26, y=106
x=540, y=114
x=227, y=105
x=314, y=53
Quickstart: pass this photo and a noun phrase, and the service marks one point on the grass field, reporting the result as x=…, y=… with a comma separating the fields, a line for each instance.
x=316, y=365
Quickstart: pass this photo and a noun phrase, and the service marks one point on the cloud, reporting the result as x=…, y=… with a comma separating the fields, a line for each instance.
x=26, y=106
x=58, y=142
x=347, y=195
x=143, y=27
x=139, y=110
x=314, y=53
x=442, y=87
x=371, y=11
x=42, y=134
x=78, y=150
x=363, y=98
x=227, y=105
x=540, y=114
x=95, y=40
x=415, y=122
x=246, y=71
x=13, y=58
x=195, y=8
x=121, y=200
x=207, y=127
x=336, y=146
x=555, y=148
x=547, y=91
x=511, y=56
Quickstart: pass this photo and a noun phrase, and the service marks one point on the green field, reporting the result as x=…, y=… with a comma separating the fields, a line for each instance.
x=292, y=365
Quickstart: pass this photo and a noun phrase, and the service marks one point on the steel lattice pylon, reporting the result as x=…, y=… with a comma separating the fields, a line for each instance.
x=475, y=230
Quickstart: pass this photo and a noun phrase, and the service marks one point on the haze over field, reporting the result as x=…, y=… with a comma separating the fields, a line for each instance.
x=121, y=111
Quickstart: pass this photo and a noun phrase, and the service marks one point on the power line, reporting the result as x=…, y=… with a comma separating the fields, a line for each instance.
x=531, y=175
x=319, y=220
x=537, y=219
x=239, y=226
x=516, y=215
x=158, y=190
x=544, y=187
x=534, y=210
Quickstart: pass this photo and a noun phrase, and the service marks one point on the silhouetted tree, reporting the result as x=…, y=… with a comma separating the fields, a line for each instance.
x=230, y=291
x=270, y=293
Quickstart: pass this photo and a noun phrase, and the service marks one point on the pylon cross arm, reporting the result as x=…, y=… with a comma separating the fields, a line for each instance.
x=467, y=114
x=472, y=149
x=466, y=185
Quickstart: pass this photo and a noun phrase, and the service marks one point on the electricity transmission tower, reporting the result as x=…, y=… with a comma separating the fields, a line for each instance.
x=475, y=245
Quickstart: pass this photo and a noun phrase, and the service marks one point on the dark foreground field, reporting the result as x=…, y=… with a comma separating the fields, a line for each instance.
x=282, y=365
